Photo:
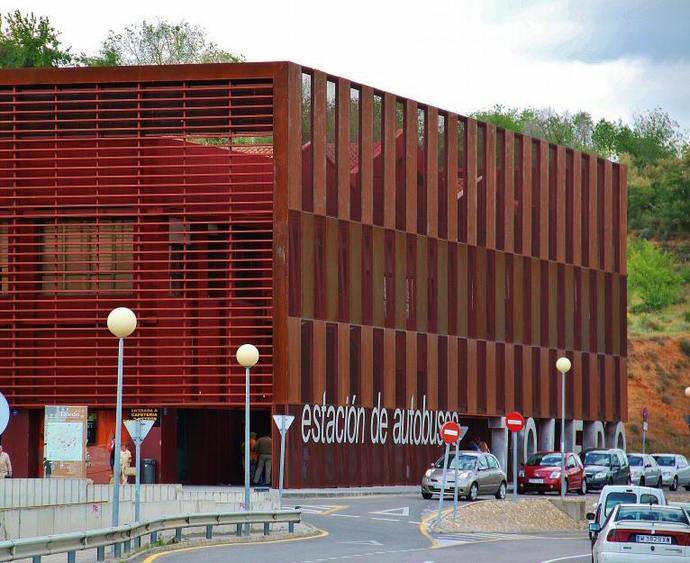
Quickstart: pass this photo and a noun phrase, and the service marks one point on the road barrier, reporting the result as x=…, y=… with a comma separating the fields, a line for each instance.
x=128, y=536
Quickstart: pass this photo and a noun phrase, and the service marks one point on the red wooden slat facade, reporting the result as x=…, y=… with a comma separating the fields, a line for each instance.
x=369, y=244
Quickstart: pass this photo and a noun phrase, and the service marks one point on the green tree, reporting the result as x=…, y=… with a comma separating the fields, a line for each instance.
x=28, y=41
x=159, y=43
x=653, y=278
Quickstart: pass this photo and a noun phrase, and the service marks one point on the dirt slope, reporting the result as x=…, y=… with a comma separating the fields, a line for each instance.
x=658, y=373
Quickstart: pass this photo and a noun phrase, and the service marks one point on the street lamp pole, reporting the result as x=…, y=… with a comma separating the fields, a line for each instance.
x=563, y=365
x=247, y=355
x=121, y=323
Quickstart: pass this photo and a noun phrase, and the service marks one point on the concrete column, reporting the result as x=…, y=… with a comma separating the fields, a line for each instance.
x=615, y=435
x=527, y=440
x=547, y=434
x=593, y=434
x=571, y=429
x=500, y=440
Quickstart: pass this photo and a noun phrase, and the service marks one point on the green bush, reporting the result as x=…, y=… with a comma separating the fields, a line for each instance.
x=685, y=347
x=652, y=276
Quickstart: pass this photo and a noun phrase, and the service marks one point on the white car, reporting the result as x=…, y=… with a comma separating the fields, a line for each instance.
x=613, y=495
x=642, y=532
x=644, y=470
x=675, y=471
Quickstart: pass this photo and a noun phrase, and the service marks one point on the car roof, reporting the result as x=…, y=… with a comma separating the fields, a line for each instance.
x=629, y=489
x=648, y=506
x=670, y=455
x=548, y=452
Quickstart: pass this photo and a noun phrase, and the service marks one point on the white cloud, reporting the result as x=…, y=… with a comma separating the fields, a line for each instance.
x=459, y=55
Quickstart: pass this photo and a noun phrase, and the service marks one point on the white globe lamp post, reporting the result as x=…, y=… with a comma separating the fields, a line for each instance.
x=247, y=356
x=563, y=365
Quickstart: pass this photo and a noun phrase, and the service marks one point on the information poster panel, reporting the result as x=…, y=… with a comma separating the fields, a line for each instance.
x=65, y=441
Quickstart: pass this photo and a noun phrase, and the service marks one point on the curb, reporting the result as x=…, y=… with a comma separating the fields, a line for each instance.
x=296, y=493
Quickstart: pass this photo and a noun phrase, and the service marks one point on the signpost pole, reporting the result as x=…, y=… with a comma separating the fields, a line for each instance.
x=645, y=427
x=515, y=465
x=455, y=488
x=283, y=431
x=137, y=478
x=443, y=483
x=117, y=469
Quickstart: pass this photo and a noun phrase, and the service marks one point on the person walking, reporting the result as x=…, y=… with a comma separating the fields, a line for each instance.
x=5, y=464
x=264, y=449
x=125, y=463
x=253, y=454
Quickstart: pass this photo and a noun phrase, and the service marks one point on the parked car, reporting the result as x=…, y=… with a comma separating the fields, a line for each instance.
x=478, y=474
x=675, y=471
x=606, y=467
x=644, y=470
x=613, y=495
x=642, y=532
x=542, y=473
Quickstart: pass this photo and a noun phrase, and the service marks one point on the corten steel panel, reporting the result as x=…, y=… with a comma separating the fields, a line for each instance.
x=452, y=168
x=608, y=217
x=592, y=235
x=411, y=165
x=343, y=148
x=526, y=194
x=500, y=306
x=508, y=158
x=442, y=281
x=154, y=149
x=389, y=378
x=411, y=364
x=623, y=226
x=366, y=166
x=431, y=172
x=490, y=185
x=442, y=370
x=432, y=375
x=293, y=136
x=319, y=141
x=389, y=278
x=294, y=268
x=452, y=371
x=491, y=383
x=400, y=279
x=543, y=227
x=330, y=269
x=561, y=224
x=576, y=237
x=509, y=378
x=468, y=222
x=344, y=268
x=295, y=360
x=389, y=155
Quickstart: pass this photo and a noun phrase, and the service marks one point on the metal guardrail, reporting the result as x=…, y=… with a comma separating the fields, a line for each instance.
x=128, y=536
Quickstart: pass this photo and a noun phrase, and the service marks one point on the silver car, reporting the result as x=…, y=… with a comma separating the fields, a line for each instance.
x=478, y=474
x=644, y=470
x=675, y=471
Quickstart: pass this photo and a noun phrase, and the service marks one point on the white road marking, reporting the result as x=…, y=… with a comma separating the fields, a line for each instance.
x=362, y=542
x=385, y=519
x=344, y=515
x=414, y=522
x=567, y=557
x=404, y=511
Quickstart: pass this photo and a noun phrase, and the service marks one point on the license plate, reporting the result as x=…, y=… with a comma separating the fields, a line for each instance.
x=639, y=538
x=537, y=481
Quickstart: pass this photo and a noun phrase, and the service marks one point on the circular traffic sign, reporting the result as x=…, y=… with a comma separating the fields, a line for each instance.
x=450, y=432
x=645, y=414
x=4, y=413
x=515, y=421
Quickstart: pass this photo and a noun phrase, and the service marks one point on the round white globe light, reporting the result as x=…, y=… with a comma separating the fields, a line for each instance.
x=687, y=391
x=122, y=322
x=247, y=355
x=563, y=365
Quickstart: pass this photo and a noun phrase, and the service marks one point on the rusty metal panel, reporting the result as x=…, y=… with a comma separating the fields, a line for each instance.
x=343, y=148
x=561, y=206
x=411, y=164
x=623, y=226
x=576, y=237
x=431, y=171
x=544, y=228
x=389, y=378
x=608, y=217
x=490, y=382
x=469, y=225
x=453, y=380
x=319, y=142
x=527, y=200
x=592, y=237
x=366, y=162
x=490, y=171
x=432, y=383
x=389, y=144
x=452, y=174
x=508, y=190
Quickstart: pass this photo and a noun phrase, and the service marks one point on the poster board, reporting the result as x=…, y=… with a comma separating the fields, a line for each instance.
x=65, y=440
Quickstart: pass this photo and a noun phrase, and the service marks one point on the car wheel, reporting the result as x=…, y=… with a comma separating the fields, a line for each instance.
x=674, y=485
x=426, y=496
x=473, y=493
x=501, y=492
x=583, y=488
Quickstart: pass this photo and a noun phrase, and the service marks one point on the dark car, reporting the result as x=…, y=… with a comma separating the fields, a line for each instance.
x=542, y=473
x=606, y=467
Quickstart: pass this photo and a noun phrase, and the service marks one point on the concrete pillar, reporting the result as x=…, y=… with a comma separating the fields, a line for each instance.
x=615, y=435
x=499, y=440
x=547, y=434
x=593, y=434
x=527, y=440
x=572, y=427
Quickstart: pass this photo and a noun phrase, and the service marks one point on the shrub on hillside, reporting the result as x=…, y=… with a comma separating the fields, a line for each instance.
x=685, y=347
x=652, y=276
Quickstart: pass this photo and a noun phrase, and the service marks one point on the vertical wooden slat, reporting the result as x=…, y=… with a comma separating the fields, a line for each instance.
x=411, y=164
x=471, y=181
x=366, y=166
x=561, y=205
x=452, y=172
x=623, y=221
x=509, y=193
x=527, y=200
x=608, y=217
x=343, y=148
x=577, y=208
x=592, y=213
x=389, y=141
x=431, y=126
x=490, y=183
x=544, y=226
x=319, y=142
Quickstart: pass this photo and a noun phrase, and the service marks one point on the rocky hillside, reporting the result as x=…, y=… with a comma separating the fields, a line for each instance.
x=658, y=373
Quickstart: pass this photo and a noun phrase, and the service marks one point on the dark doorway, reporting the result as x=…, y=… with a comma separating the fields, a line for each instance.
x=209, y=444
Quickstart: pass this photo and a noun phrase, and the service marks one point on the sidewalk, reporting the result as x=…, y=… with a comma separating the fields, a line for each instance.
x=351, y=491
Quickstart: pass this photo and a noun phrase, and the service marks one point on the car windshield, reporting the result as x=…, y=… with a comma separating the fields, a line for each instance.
x=635, y=460
x=598, y=458
x=545, y=459
x=648, y=514
x=463, y=462
x=665, y=460
x=614, y=499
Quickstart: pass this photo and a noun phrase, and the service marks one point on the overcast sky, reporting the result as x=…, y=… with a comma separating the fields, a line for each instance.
x=612, y=58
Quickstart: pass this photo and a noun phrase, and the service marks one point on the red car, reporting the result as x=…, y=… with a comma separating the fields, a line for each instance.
x=542, y=473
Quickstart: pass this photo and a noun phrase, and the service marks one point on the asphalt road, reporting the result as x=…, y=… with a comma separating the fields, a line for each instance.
x=387, y=528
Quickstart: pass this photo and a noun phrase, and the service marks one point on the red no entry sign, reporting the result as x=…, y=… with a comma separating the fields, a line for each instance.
x=450, y=432
x=515, y=421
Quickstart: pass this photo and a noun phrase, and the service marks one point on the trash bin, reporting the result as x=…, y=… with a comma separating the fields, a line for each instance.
x=148, y=471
